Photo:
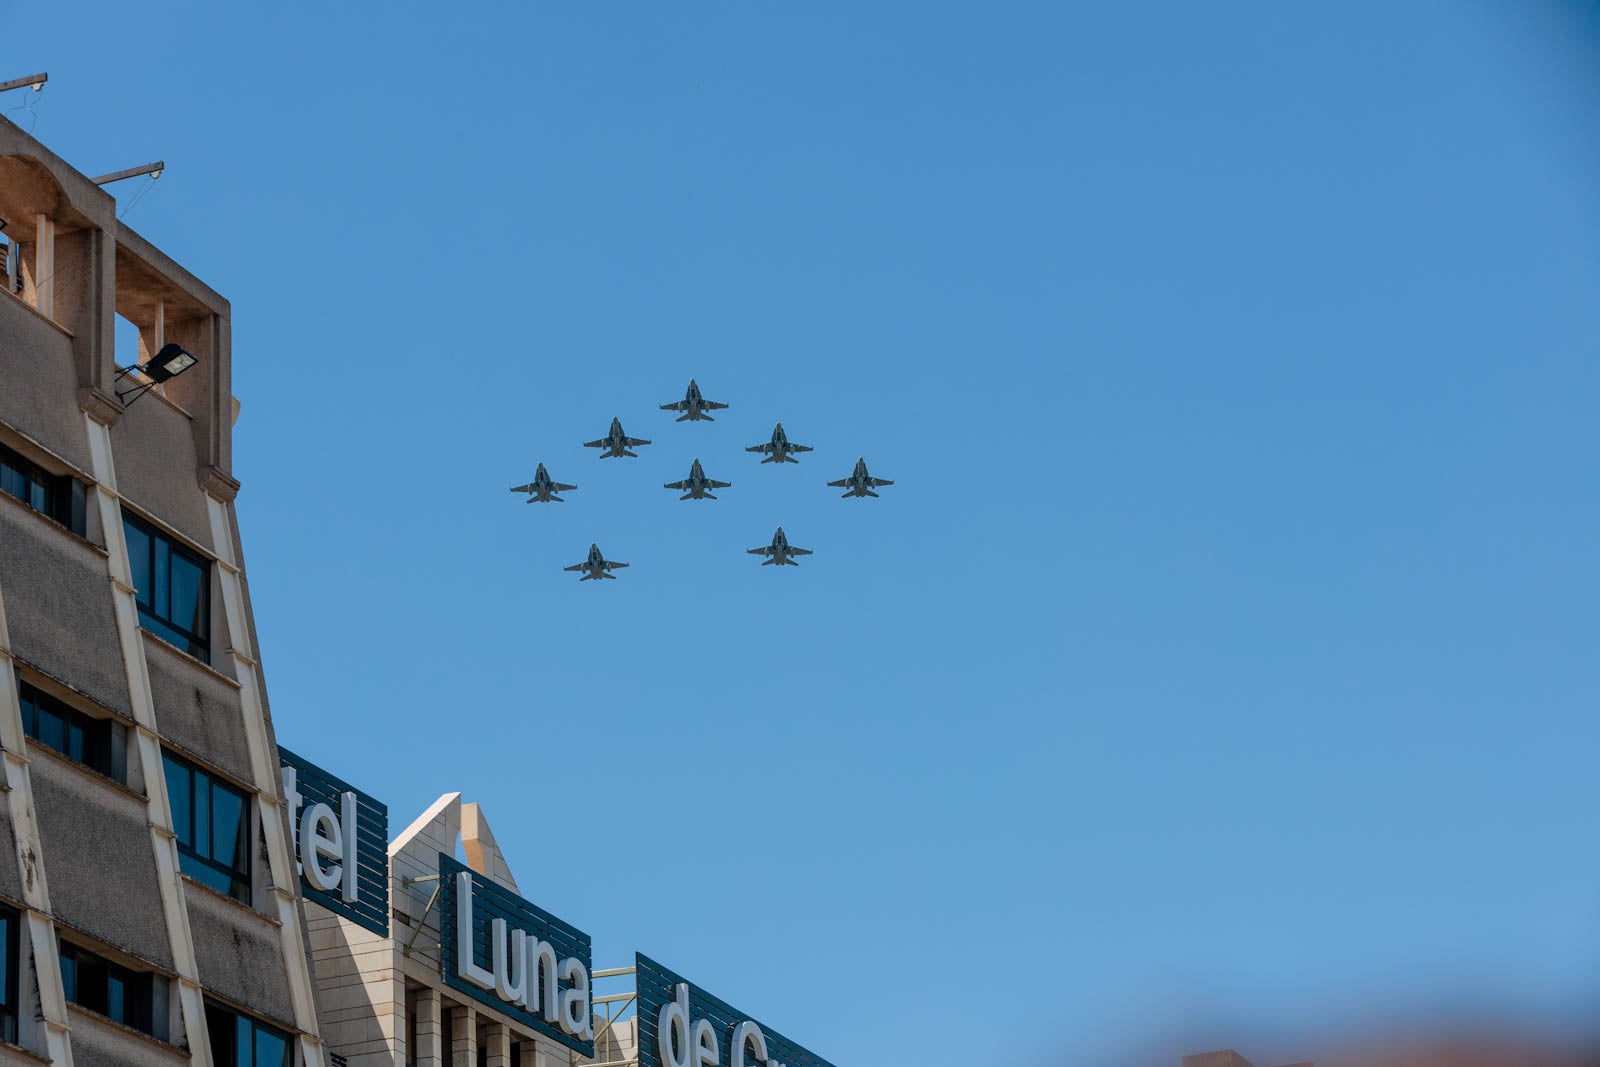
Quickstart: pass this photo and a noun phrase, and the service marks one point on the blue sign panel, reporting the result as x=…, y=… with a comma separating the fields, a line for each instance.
x=340, y=839
x=678, y=1019
x=514, y=957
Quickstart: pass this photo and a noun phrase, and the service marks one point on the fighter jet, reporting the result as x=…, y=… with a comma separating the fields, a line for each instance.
x=596, y=566
x=543, y=489
x=693, y=405
x=860, y=482
x=616, y=443
x=780, y=550
x=779, y=447
x=697, y=483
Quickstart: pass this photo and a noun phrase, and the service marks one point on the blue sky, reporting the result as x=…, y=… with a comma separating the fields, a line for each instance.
x=1221, y=668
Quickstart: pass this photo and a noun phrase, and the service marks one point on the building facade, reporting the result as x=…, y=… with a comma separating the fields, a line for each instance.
x=432, y=990
x=150, y=910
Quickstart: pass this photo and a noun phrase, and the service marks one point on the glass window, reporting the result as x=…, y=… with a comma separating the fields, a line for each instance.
x=172, y=587
x=138, y=559
x=91, y=981
x=90, y=741
x=240, y=1041
x=209, y=820
x=8, y=975
x=60, y=496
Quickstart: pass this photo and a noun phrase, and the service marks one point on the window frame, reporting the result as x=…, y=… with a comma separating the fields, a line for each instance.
x=65, y=500
x=241, y=880
x=138, y=986
x=99, y=747
x=10, y=1010
x=227, y=1054
x=164, y=626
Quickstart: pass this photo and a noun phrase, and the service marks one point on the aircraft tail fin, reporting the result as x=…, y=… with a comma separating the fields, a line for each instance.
x=770, y=459
x=869, y=492
x=682, y=418
x=608, y=574
x=625, y=452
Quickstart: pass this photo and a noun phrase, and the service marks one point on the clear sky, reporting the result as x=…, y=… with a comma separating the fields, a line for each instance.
x=1221, y=668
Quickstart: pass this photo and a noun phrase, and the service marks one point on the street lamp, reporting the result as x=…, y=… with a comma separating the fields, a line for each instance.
x=167, y=364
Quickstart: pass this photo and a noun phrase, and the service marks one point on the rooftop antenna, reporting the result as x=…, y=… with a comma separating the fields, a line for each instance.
x=152, y=169
x=31, y=81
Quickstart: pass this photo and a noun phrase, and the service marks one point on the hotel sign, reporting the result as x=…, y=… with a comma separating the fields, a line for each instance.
x=340, y=840
x=514, y=957
x=681, y=1025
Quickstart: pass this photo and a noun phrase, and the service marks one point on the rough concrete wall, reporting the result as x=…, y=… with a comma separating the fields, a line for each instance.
x=59, y=606
x=98, y=859
x=196, y=710
x=240, y=955
x=10, y=1057
x=41, y=393
x=153, y=448
x=10, y=878
x=97, y=1042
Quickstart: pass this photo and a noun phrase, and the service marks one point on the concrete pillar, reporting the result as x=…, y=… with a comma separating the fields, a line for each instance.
x=463, y=1037
x=430, y=1030
x=499, y=1042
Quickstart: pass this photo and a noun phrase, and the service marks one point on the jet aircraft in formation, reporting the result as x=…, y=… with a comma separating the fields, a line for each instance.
x=543, y=490
x=693, y=405
x=779, y=448
x=616, y=443
x=697, y=484
x=596, y=566
x=694, y=408
x=780, y=551
x=860, y=483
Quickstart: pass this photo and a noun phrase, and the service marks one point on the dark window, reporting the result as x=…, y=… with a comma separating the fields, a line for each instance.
x=210, y=820
x=94, y=982
x=95, y=743
x=60, y=496
x=239, y=1041
x=9, y=932
x=172, y=586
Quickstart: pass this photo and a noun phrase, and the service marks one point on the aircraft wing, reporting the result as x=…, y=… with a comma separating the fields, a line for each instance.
x=799, y=448
x=876, y=482
x=793, y=551
x=560, y=487
x=841, y=483
x=761, y=448
x=676, y=485
x=634, y=442
x=712, y=484
x=712, y=405
x=595, y=444
x=608, y=565
x=575, y=567
x=764, y=550
x=523, y=488
x=676, y=405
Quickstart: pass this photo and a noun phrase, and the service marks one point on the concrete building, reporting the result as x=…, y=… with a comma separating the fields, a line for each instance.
x=150, y=911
